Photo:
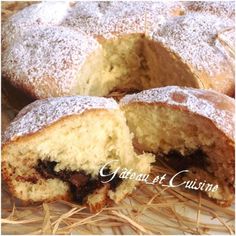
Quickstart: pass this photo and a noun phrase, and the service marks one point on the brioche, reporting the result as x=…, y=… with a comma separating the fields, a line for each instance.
x=188, y=129
x=55, y=148
x=97, y=48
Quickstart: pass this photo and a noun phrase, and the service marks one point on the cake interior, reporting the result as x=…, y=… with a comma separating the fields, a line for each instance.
x=81, y=184
x=184, y=141
x=66, y=159
x=131, y=62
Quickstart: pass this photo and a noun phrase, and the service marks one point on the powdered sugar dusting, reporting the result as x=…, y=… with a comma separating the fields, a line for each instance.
x=109, y=19
x=45, y=44
x=45, y=54
x=214, y=106
x=45, y=13
x=193, y=38
x=42, y=113
x=219, y=8
x=93, y=18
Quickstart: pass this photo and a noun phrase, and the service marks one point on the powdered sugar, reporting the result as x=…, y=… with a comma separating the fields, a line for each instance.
x=46, y=44
x=219, y=8
x=214, y=106
x=42, y=113
x=43, y=14
x=109, y=19
x=193, y=38
x=49, y=58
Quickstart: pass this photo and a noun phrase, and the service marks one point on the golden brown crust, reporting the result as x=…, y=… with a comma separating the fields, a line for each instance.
x=41, y=113
x=207, y=49
x=217, y=108
x=50, y=119
x=214, y=110
x=107, y=109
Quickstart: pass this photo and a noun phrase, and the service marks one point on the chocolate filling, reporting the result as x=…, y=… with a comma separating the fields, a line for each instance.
x=179, y=162
x=81, y=184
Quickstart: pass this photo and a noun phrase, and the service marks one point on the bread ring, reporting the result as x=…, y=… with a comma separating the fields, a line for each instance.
x=96, y=48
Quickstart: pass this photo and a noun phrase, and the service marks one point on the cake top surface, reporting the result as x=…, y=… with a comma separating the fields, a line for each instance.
x=94, y=17
x=33, y=16
x=214, y=106
x=109, y=19
x=49, y=41
x=45, y=53
x=220, y=8
x=42, y=113
x=106, y=18
x=195, y=38
x=47, y=12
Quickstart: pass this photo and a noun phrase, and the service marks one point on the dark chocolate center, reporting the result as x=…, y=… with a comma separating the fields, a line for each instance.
x=81, y=184
x=179, y=162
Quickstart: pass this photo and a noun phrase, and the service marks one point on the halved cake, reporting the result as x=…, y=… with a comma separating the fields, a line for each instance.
x=189, y=129
x=55, y=149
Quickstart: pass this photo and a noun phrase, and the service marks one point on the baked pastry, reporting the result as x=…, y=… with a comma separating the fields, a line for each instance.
x=59, y=53
x=96, y=48
x=36, y=15
x=189, y=129
x=202, y=51
x=55, y=148
x=94, y=18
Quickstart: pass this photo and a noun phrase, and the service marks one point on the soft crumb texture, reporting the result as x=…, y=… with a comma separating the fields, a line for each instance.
x=89, y=48
x=214, y=106
x=42, y=113
x=184, y=120
x=76, y=133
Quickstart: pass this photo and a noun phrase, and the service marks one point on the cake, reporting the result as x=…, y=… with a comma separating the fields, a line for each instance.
x=189, y=129
x=55, y=149
x=55, y=49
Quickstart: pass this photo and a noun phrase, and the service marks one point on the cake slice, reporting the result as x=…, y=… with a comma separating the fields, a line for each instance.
x=55, y=149
x=189, y=129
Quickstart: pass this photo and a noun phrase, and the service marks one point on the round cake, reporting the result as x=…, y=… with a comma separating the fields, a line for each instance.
x=55, y=49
